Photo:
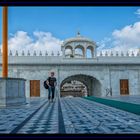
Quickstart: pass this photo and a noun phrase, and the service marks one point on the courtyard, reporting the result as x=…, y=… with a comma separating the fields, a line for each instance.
x=69, y=115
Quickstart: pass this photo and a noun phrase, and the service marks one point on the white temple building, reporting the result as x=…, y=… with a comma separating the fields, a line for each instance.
x=112, y=73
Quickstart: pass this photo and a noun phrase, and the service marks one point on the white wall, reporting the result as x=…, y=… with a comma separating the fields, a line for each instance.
x=100, y=72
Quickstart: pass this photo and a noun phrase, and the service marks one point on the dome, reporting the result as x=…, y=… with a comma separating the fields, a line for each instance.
x=78, y=38
x=79, y=47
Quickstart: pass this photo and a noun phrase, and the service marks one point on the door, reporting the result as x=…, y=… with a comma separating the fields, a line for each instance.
x=34, y=88
x=124, y=87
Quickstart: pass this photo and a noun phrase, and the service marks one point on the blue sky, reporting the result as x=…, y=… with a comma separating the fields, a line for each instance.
x=96, y=23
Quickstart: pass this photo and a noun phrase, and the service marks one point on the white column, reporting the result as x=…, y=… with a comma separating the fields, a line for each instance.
x=63, y=52
x=73, y=52
x=94, y=52
x=85, y=50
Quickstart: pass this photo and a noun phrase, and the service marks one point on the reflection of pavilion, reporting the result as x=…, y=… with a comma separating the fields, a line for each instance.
x=74, y=88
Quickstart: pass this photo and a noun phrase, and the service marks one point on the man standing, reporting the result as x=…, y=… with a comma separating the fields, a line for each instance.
x=51, y=82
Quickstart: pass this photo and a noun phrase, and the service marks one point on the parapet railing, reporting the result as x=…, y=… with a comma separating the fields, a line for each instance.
x=118, y=53
x=31, y=53
x=98, y=54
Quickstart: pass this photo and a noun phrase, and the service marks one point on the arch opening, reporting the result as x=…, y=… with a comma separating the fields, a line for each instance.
x=68, y=51
x=90, y=52
x=73, y=88
x=79, y=51
x=80, y=85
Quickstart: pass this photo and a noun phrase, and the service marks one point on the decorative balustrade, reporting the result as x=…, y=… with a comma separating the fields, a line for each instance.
x=118, y=54
x=52, y=53
x=23, y=53
x=29, y=53
x=34, y=54
x=46, y=53
x=99, y=54
x=40, y=54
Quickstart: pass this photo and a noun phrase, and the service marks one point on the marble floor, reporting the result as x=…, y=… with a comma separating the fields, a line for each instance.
x=67, y=116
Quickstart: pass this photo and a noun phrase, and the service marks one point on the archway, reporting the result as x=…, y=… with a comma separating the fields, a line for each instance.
x=73, y=88
x=79, y=51
x=90, y=52
x=68, y=51
x=91, y=84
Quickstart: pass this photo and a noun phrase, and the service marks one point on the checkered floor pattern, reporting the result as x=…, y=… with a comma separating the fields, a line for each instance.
x=66, y=115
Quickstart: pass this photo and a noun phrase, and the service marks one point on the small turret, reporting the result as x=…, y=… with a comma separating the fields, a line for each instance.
x=28, y=54
x=16, y=53
x=23, y=53
x=34, y=54
x=52, y=53
x=10, y=53
x=40, y=53
x=46, y=53
x=58, y=53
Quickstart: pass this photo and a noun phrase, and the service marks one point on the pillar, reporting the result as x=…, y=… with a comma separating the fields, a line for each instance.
x=12, y=91
x=73, y=52
x=84, y=52
x=94, y=52
x=5, y=43
x=63, y=51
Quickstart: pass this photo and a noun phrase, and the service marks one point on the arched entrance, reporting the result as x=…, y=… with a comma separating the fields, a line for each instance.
x=73, y=88
x=85, y=84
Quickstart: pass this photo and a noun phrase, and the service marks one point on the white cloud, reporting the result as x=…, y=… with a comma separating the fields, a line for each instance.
x=138, y=12
x=125, y=39
x=104, y=44
x=40, y=41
